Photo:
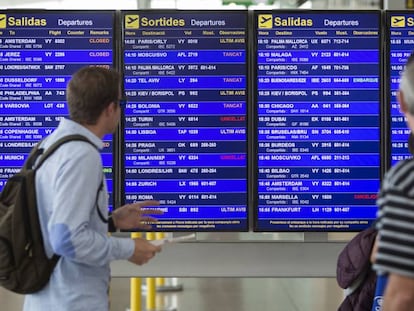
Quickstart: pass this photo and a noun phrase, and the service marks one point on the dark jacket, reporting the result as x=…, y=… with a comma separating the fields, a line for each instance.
x=354, y=272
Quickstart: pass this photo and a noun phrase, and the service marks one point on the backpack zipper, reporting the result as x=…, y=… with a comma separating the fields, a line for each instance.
x=28, y=249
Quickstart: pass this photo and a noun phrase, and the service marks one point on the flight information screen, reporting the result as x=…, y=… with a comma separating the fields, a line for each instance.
x=39, y=51
x=185, y=120
x=318, y=120
x=400, y=26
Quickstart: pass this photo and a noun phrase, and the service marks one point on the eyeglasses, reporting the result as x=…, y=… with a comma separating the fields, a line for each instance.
x=122, y=102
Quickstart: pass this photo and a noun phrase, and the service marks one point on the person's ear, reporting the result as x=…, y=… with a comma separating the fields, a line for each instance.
x=110, y=109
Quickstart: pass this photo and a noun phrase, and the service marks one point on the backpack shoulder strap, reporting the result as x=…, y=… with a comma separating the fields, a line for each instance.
x=49, y=151
x=33, y=155
x=101, y=216
x=58, y=143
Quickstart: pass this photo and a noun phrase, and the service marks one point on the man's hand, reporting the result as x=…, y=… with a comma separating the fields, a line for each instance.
x=144, y=251
x=132, y=216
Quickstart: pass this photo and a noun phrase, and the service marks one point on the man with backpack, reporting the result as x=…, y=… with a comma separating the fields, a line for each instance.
x=72, y=197
x=395, y=252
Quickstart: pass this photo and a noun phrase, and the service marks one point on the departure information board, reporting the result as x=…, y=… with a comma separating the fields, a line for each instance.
x=400, y=30
x=318, y=116
x=39, y=51
x=185, y=129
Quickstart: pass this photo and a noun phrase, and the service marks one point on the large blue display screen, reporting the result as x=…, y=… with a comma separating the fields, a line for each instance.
x=400, y=26
x=185, y=121
x=39, y=51
x=318, y=120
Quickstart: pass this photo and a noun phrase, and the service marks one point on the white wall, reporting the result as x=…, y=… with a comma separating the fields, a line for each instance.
x=69, y=4
x=185, y=4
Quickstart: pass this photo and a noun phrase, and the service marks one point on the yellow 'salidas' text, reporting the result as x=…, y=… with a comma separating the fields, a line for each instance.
x=293, y=21
x=26, y=21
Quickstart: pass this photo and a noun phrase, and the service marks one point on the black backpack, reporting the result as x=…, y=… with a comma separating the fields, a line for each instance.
x=24, y=266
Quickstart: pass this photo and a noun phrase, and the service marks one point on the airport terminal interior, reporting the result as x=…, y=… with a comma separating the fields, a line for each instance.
x=223, y=294
x=282, y=290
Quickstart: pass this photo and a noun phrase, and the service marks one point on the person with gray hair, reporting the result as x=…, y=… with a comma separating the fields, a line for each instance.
x=394, y=258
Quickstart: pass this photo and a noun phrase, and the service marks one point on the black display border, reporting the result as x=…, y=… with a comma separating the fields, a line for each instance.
x=114, y=31
x=248, y=119
x=382, y=115
x=388, y=89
